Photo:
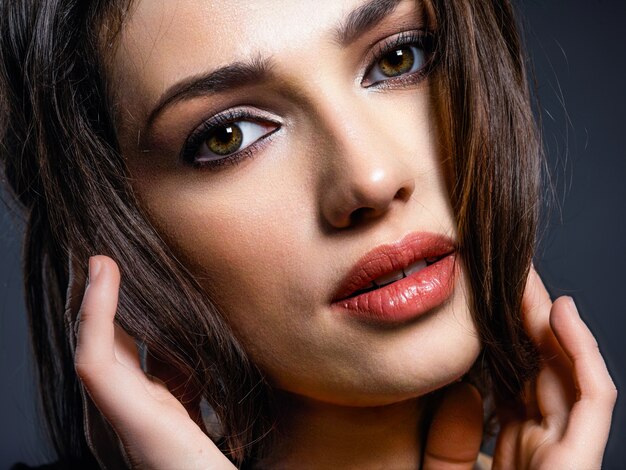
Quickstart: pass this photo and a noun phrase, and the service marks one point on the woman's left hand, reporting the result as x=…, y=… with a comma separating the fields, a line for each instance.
x=568, y=407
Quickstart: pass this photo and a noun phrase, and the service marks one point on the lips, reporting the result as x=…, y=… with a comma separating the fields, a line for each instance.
x=399, y=281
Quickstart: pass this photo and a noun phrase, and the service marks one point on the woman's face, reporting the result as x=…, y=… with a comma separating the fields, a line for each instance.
x=336, y=153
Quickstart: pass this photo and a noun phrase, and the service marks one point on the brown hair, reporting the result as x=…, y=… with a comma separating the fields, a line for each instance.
x=62, y=162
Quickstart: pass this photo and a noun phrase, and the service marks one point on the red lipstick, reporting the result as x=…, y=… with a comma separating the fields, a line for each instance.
x=397, y=282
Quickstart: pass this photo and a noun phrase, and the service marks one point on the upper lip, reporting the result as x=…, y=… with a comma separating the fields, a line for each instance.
x=392, y=257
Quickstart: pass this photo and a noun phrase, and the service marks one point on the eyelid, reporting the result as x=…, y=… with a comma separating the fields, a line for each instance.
x=194, y=139
x=251, y=132
x=382, y=47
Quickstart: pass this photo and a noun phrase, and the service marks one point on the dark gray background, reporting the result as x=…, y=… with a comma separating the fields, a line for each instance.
x=578, y=50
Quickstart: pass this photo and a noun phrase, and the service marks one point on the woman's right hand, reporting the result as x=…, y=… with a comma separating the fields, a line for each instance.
x=155, y=429
x=566, y=417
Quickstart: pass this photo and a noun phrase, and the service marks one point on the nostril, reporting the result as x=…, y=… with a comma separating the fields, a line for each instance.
x=360, y=214
x=360, y=200
x=403, y=194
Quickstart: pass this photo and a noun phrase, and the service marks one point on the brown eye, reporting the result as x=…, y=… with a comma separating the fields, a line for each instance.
x=225, y=139
x=397, y=62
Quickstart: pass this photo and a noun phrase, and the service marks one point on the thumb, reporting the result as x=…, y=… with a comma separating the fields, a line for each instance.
x=456, y=431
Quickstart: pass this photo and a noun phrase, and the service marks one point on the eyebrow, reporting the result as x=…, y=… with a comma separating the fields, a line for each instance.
x=259, y=69
x=363, y=19
x=235, y=75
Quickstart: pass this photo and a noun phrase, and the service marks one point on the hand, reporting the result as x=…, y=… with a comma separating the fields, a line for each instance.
x=568, y=407
x=155, y=429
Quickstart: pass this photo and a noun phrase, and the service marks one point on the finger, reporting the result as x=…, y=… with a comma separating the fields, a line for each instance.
x=555, y=396
x=456, y=431
x=126, y=350
x=536, y=305
x=590, y=417
x=551, y=395
x=96, y=334
x=106, y=357
x=100, y=437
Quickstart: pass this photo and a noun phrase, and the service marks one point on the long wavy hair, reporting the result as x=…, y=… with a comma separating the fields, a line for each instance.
x=62, y=163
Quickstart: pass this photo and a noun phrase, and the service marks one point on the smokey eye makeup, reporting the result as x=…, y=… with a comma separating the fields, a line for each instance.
x=230, y=137
x=227, y=138
x=403, y=60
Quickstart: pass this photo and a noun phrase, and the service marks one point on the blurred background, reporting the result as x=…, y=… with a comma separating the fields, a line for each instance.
x=577, y=49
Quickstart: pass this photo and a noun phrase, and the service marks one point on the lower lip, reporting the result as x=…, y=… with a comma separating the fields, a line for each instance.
x=405, y=299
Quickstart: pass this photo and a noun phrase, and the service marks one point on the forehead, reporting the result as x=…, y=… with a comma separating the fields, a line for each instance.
x=228, y=27
x=176, y=36
x=164, y=41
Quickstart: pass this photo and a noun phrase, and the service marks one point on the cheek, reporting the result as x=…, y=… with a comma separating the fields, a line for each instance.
x=247, y=250
x=243, y=239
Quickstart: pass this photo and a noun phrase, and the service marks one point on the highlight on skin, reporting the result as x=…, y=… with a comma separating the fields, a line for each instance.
x=188, y=239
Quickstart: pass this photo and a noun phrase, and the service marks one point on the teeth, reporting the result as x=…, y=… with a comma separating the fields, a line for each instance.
x=415, y=267
x=401, y=274
x=397, y=275
x=389, y=278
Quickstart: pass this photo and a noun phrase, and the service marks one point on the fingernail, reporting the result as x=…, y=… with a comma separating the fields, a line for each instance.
x=573, y=305
x=94, y=268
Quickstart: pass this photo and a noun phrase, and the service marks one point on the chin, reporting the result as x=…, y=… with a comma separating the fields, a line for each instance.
x=382, y=383
x=342, y=361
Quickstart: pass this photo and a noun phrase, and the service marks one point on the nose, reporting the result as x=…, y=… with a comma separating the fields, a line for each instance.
x=365, y=172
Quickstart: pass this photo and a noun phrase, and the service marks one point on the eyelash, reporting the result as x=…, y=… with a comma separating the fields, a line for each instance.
x=198, y=136
x=421, y=39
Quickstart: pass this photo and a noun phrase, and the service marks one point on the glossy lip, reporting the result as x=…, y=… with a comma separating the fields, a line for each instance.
x=407, y=298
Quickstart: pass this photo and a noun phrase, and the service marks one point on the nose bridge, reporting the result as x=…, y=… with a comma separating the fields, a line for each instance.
x=363, y=170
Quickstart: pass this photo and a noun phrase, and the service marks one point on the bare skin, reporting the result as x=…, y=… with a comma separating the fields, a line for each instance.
x=341, y=146
x=565, y=423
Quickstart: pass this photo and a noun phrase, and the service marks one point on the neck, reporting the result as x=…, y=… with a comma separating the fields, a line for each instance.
x=313, y=434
